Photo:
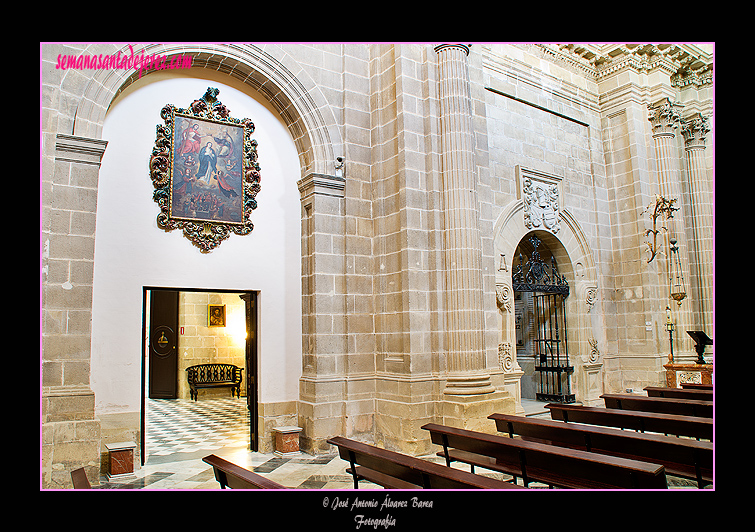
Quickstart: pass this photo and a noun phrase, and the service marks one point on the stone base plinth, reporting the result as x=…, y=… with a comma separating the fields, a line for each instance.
x=286, y=441
x=121, y=462
x=471, y=412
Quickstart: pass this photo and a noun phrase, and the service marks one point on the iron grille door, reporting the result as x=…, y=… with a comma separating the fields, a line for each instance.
x=549, y=290
x=552, y=356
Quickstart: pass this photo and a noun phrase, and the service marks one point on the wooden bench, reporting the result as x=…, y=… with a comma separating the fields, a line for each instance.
x=214, y=376
x=661, y=405
x=679, y=393
x=681, y=457
x=548, y=464
x=696, y=386
x=693, y=427
x=233, y=476
x=394, y=470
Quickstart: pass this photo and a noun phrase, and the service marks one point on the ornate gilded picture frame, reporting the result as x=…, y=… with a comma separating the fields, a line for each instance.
x=205, y=172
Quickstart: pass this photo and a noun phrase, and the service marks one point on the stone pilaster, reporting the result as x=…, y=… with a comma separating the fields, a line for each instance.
x=322, y=392
x=463, y=247
x=695, y=130
x=71, y=435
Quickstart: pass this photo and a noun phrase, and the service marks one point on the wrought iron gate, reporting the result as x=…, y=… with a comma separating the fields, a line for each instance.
x=549, y=290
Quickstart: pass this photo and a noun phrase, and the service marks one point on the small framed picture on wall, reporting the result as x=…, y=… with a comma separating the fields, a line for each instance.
x=216, y=315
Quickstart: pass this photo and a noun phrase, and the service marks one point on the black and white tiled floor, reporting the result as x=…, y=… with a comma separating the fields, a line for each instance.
x=180, y=433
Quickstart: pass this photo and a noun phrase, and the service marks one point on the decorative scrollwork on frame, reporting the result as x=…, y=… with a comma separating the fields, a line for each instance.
x=205, y=172
x=591, y=295
x=503, y=297
x=594, y=352
x=505, y=356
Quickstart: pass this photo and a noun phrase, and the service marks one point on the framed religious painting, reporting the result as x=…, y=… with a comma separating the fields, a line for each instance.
x=205, y=172
x=216, y=315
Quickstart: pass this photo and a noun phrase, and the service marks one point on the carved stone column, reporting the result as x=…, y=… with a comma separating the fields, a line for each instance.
x=694, y=130
x=463, y=245
x=664, y=117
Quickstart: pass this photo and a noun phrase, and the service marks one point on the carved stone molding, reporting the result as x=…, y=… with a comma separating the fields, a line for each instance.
x=81, y=150
x=686, y=64
x=322, y=184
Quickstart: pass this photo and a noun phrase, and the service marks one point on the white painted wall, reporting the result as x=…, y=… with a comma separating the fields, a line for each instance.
x=132, y=252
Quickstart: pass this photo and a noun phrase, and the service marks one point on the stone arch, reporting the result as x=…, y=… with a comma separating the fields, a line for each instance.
x=268, y=69
x=576, y=262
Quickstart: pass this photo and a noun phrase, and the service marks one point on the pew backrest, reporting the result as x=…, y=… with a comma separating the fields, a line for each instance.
x=234, y=476
x=662, y=405
x=552, y=464
x=410, y=470
x=694, y=427
x=680, y=456
x=679, y=393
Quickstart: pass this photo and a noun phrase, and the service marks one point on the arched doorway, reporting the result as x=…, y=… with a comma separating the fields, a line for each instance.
x=586, y=336
x=540, y=310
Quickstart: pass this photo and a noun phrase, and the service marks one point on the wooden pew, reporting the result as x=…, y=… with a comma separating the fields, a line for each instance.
x=681, y=457
x=549, y=464
x=661, y=405
x=80, y=480
x=679, y=393
x=696, y=386
x=394, y=470
x=233, y=476
x=693, y=427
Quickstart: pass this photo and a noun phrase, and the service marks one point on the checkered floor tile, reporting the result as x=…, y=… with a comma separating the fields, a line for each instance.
x=184, y=426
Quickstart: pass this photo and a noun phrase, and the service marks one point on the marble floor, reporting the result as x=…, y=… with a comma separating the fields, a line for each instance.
x=181, y=432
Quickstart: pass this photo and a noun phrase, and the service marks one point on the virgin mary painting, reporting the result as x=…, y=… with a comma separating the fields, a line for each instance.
x=207, y=184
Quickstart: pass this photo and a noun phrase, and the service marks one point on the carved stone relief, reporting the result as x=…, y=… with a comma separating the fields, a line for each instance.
x=505, y=356
x=541, y=195
x=594, y=352
x=591, y=295
x=503, y=297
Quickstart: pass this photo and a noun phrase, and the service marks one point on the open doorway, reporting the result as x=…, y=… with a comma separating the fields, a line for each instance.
x=540, y=293
x=183, y=327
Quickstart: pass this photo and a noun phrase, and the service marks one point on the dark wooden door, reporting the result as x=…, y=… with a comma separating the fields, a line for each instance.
x=163, y=344
x=250, y=299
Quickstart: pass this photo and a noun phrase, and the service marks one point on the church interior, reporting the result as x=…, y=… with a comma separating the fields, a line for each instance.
x=398, y=266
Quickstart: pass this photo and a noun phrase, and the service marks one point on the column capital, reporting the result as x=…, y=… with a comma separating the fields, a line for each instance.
x=464, y=47
x=664, y=116
x=694, y=129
